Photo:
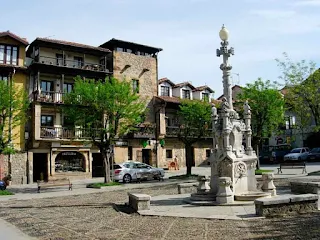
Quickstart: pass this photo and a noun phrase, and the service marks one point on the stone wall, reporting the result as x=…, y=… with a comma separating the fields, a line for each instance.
x=18, y=163
x=143, y=69
x=178, y=150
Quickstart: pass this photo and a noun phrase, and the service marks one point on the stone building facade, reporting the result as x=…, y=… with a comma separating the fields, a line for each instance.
x=167, y=105
x=137, y=64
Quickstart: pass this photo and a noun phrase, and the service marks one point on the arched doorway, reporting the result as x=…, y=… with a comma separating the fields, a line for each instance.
x=70, y=161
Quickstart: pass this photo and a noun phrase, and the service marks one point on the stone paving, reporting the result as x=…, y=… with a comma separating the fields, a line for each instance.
x=93, y=216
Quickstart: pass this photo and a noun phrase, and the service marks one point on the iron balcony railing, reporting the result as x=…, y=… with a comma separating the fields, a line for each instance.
x=68, y=133
x=71, y=63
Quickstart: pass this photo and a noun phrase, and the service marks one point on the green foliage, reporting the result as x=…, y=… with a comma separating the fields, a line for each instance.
x=106, y=109
x=185, y=176
x=302, y=96
x=110, y=106
x=267, y=108
x=99, y=185
x=13, y=104
x=5, y=193
x=195, y=120
x=195, y=123
x=261, y=171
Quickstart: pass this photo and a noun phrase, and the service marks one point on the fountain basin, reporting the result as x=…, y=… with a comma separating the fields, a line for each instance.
x=251, y=196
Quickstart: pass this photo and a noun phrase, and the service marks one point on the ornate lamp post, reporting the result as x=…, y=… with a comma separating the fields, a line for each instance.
x=225, y=66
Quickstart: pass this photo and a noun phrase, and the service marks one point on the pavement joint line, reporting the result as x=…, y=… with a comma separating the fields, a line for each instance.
x=168, y=230
x=130, y=231
x=46, y=221
x=114, y=228
x=206, y=231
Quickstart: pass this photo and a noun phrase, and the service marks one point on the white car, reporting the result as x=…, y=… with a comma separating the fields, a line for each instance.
x=136, y=171
x=297, y=154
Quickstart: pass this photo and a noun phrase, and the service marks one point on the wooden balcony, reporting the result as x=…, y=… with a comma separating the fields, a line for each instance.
x=75, y=64
x=66, y=133
x=144, y=132
x=48, y=97
x=173, y=131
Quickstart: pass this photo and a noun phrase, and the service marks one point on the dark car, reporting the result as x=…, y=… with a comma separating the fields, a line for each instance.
x=279, y=151
x=274, y=154
x=314, y=154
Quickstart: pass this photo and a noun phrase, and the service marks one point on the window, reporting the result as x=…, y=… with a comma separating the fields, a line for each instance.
x=169, y=153
x=60, y=60
x=165, y=91
x=8, y=54
x=67, y=87
x=4, y=77
x=47, y=120
x=135, y=85
x=185, y=94
x=119, y=49
x=208, y=152
x=129, y=152
x=78, y=62
x=129, y=50
x=46, y=86
x=70, y=162
x=205, y=97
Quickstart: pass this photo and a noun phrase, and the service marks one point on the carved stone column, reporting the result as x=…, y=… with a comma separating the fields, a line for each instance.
x=268, y=185
x=203, y=185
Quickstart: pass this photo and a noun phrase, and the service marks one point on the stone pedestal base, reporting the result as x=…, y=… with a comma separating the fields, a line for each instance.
x=225, y=195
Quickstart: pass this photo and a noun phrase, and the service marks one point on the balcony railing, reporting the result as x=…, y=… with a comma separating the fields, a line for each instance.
x=145, y=132
x=172, y=131
x=67, y=133
x=49, y=96
x=71, y=63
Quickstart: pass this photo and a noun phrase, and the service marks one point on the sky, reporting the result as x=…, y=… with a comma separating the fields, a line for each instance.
x=187, y=30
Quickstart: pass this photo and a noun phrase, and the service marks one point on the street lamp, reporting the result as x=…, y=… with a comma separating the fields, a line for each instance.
x=224, y=33
x=225, y=66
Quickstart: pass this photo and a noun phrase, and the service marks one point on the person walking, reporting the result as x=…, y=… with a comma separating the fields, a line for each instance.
x=176, y=164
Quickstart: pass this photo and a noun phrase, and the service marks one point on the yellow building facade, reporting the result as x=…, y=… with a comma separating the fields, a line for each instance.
x=14, y=71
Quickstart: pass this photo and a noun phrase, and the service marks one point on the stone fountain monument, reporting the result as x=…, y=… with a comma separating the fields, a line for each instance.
x=233, y=161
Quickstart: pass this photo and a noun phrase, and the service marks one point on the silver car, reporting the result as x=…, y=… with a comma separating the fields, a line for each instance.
x=136, y=171
x=297, y=154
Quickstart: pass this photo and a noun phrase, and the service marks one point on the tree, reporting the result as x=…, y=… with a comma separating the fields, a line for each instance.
x=107, y=110
x=13, y=113
x=267, y=108
x=302, y=80
x=195, y=119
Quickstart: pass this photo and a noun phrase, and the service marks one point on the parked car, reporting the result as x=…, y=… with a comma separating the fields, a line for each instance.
x=297, y=154
x=277, y=153
x=132, y=171
x=314, y=154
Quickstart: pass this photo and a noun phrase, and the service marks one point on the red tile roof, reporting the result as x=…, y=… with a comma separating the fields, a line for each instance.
x=184, y=84
x=16, y=37
x=202, y=88
x=72, y=44
x=162, y=80
x=169, y=99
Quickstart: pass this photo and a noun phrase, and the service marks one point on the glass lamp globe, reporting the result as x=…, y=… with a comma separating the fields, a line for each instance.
x=224, y=34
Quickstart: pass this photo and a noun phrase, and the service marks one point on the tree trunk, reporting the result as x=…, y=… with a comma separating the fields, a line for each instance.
x=106, y=163
x=188, y=150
